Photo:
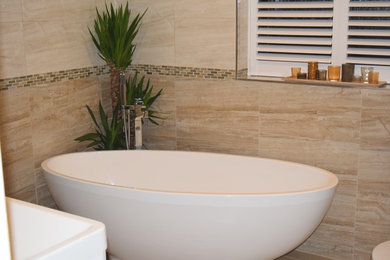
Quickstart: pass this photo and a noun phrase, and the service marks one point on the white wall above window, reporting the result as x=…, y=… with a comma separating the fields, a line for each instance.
x=284, y=33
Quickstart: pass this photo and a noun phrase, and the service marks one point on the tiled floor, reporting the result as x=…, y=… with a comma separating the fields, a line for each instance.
x=295, y=255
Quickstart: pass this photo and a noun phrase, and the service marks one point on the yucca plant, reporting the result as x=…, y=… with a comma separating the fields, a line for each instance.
x=107, y=135
x=139, y=89
x=115, y=33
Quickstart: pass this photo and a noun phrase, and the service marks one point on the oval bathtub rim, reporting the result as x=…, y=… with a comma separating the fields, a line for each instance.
x=332, y=183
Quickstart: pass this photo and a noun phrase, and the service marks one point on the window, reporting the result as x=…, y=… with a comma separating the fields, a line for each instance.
x=286, y=33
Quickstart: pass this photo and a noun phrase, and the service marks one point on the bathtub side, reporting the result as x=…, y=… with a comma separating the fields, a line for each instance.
x=193, y=226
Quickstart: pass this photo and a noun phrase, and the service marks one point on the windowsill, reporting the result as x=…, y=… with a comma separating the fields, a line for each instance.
x=321, y=84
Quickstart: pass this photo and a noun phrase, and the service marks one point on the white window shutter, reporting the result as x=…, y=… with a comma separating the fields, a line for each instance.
x=369, y=32
x=294, y=31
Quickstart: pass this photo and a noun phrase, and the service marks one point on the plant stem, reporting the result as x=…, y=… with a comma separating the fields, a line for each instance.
x=114, y=86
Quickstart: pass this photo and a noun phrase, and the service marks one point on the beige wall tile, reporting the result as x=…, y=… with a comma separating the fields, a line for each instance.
x=12, y=59
x=104, y=84
x=225, y=94
x=205, y=42
x=205, y=9
x=62, y=107
x=308, y=98
x=49, y=10
x=211, y=117
x=342, y=211
x=375, y=129
x=156, y=37
x=337, y=157
x=10, y=11
x=162, y=136
x=15, y=114
x=368, y=236
x=374, y=165
x=360, y=255
x=17, y=164
x=57, y=45
x=101, y=3
x=296, y=255
x=376, y=98
x=16, y=139
x=332, y=241
x=322, y=124
x=210, y=129
x=242, y=35
x=373, y=215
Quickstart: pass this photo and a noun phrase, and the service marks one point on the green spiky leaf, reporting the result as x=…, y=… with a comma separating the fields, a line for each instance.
x=114, y=35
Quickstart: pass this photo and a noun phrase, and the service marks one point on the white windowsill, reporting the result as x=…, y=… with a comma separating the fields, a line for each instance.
x=280, y=80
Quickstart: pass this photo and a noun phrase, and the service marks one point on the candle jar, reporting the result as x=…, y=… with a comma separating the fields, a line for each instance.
x=321, y=74
x=295, y=71
x=373, y=77
x=365, y=73
x=357, y=79
x=301, y=75
x=312, y=67
x=347, y=72
x=334, y=73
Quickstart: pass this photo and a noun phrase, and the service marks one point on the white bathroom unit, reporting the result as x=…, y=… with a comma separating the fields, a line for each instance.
x=41, y=233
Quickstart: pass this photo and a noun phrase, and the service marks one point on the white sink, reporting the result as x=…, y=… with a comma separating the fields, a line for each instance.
x=41, y=233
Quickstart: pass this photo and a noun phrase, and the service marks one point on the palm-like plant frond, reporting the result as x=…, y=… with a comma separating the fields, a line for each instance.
x=107, y=135
x=115, y=34
x=138, y=89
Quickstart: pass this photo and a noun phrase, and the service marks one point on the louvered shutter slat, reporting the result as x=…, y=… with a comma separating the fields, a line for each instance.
x=369, y=32
x=294, y=41
x=370, y=42
x=294, y=31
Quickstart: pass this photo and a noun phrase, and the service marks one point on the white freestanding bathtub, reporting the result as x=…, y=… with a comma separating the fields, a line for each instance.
x=164, y=205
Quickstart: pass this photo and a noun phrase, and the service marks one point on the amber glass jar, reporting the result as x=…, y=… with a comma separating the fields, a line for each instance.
x=312, y=67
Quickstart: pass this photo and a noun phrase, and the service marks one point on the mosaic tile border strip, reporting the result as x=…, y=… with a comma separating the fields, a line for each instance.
x=65, y=75
x=190, y=72
x=50, y=77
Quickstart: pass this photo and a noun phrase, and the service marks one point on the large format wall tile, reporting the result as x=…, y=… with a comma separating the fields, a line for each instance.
x=12, y=58
x=374, y=165
x=156, y=37
x=16, y=139
x=373, y=214
x=333, y=241
x=337, y=157
x=10, y=11
x=343, y=208
x=226, y=94
x=205, y=42
x=163, y=135
x=222, y=118
x=375, y=128
x=214, y=130
x=205, y=9
x=49, y=10
x=307, y=97
x=60, y=105
x=38, y=122
x=57, y=45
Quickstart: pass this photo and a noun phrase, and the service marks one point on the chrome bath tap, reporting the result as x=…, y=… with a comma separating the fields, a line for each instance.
x=132, y=116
